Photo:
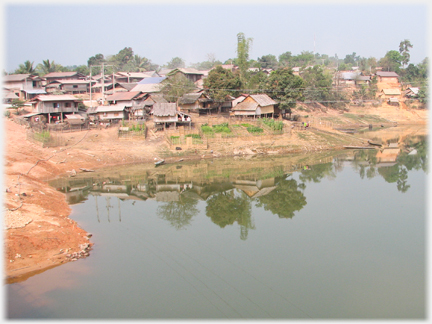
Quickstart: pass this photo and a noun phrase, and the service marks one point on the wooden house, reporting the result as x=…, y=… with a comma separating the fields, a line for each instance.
x=25, y=86
x=259, y=105
x=196, y=102
x=54, y=106
x=63, y=76
x=133, y=77
x=412, y=92
x=390, y=95
x=387, y=77
x=149, y=85
x=108, y=114
x=149, y=100
x=166, y=115
x=190, y=73
x=69, y=86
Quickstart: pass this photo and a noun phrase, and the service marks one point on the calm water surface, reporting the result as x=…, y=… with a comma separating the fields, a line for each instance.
x=327, y=236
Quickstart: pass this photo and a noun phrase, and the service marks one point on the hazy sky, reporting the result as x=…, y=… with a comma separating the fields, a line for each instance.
x=70, y=33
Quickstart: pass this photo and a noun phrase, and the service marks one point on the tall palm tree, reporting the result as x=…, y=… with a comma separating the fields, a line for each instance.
x=26, y=68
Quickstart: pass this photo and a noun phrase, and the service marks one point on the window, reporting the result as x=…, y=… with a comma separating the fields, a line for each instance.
x=75, y=86
x=56, y=105
x=67, y=104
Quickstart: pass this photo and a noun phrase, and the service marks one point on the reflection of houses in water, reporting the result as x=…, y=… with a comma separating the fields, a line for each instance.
x=255, y=188
x=388, y=156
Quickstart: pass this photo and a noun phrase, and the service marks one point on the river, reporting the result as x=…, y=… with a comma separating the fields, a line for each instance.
x=329, y=235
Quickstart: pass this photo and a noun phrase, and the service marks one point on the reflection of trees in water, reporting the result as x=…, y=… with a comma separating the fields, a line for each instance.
x=366, y=163
x=227, y=207
x=318, y=172
x=285, y=199
x=178, y=213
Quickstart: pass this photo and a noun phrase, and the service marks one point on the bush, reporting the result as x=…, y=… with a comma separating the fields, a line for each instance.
x=254, y=129
x=196, y=136
x=206, y=129
x=274, y=125
x=222, y=128
x=7, y=113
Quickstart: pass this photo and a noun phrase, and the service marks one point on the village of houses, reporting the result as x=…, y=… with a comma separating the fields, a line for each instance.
x=71, y=99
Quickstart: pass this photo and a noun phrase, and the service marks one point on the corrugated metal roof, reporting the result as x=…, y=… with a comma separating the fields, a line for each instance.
x=128, y=95
x=35, y=91
x=263, y=100
x=55, y=98
x=189, y=98
x=112, y=108
x=238, y=100
x=164, y=109
x=127, y=86
x=152, y=80
x=387, y=74
x=15, y=77
x=247, y=106
x=147, y=87
x=391, y=92
x=62, y=74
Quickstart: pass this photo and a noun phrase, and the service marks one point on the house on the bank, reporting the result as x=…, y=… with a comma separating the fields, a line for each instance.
x=149, y=85
x=387, y=77
x=149, y=101
x=190, y=73
x=69, y=86
x=52, y=108
x=61, y=76
x=412, y=92
x=392, y=96
x=108, y=114
x=196, y=102
x=129, y=99
x=133, y=77
x=166, y=115
x=25, y=86
x=259, y=105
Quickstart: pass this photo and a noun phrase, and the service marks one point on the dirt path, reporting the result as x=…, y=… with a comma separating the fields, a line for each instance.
x=38, y=233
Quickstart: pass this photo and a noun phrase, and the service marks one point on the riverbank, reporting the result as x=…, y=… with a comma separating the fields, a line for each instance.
x=39, y=234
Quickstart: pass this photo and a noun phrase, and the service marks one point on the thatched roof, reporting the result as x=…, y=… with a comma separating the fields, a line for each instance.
x=164, y=109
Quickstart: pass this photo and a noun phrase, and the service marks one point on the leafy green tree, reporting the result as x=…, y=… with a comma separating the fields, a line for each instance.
x=404, y=47
x=285, y=59
x=83, y=69
x=176, y=86
x=221, y=83
x=351, y=59
x=207, y=65
x=391, y=61
x=304, y=59
x=26, y=68
x=48, y=67
x=176, y=63
x=317, y=172
x=285, y=87
x=243, y=46
x=268, y=62
x=319, y=88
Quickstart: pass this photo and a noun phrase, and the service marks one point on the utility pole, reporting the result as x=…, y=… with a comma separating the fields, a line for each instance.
x=103, y=81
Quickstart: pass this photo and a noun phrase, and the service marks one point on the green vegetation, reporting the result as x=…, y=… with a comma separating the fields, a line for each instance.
x=273, y=124
x=255, y=130
x=42, y=136
x=194, y=136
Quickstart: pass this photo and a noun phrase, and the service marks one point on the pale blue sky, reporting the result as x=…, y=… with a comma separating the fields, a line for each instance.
x=70, y=34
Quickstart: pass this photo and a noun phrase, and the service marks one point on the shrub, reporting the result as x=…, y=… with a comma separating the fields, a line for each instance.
x=222, y=128
x=196, y=136
x=254, y=129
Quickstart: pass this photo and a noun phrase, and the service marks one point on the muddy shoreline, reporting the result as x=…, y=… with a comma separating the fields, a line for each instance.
x=39, y=235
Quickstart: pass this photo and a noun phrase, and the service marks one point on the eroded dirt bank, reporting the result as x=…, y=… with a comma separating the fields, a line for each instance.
x=38, y=233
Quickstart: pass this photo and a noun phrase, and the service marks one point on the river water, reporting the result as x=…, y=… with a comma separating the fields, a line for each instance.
x=331, y=235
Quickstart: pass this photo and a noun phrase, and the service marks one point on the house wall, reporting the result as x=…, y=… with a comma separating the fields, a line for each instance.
x=63, y=106
x=267, y=109
x=388, y=79
x=74, y=88
x=112, y=115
